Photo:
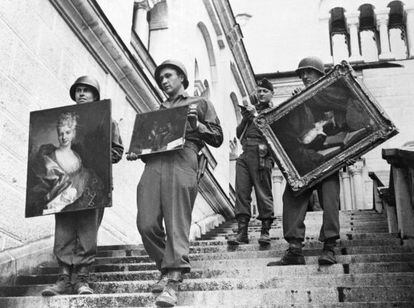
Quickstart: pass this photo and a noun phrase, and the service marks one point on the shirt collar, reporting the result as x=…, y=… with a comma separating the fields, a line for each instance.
x=179, y=97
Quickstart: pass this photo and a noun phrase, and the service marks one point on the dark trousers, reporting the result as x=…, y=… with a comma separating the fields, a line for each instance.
x=248, y=176
x=294, y=210
x=167, y=192
x=76, y=236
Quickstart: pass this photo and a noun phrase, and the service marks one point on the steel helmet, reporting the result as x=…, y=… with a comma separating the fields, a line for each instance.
x=311, y=62
x=87, y=81
x=174, y=64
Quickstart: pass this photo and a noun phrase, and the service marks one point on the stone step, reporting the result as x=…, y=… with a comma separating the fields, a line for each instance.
x=314, y=225
x=275, y=245
x=231, y=263
x=314, y=233
x=216, y=284
x=278, y=235
x=240, y=254
x=257, y=272
x=375, y=227
x=343, y=236
x=229, y=298
x=308, y=223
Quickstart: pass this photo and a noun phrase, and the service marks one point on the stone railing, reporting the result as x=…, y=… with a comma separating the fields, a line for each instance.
x=398, y=199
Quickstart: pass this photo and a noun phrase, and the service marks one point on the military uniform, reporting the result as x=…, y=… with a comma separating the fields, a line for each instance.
x=254, y=169
x=305, y=158
x=76, y=232
x=168, y=188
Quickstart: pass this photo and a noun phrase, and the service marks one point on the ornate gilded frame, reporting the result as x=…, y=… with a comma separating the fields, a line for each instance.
x=384, y=128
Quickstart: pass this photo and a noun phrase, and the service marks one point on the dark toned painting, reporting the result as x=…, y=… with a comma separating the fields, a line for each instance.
x=318, y=131
x=69, y=162
x=159, y=131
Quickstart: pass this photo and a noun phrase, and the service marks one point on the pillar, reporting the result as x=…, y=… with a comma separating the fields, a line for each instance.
x=353, y=23
x=410, y=31
x=358, y=185
x=369, y=48
x=339, y=48
x=325, y=46
x=277, y=190
x=141, y=26
x=382, y=22
x=397, y=43
x=346, y=193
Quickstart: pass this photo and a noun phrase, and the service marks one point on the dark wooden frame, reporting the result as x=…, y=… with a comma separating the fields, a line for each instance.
x=92, y=145
x=385, y=129
x=143, y=143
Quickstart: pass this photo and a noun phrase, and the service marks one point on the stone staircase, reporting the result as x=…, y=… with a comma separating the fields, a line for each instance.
x=374, y=269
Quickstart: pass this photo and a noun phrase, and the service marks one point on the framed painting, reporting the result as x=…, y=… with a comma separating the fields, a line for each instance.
x=319, y=130
x=159, y=131
x=69, y=159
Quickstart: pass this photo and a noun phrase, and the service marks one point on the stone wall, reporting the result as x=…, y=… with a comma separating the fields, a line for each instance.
x=40, y=58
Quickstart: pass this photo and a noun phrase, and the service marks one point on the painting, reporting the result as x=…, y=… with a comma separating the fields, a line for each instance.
x=321, y=129
x=69, y=159
x=159, y=131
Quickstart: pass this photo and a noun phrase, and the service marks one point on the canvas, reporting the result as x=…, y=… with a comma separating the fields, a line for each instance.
x=159, y=131
x=69, y=159
x=315, y=133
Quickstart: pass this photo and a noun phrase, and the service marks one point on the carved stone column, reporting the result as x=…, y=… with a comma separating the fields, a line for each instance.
x=369, y=47
x=339, y=47
x=382, y=22
x=355, y=171
x=277, y=189
x=325, y=39
x=410, y=30
x=353, y=23
x=141, y=26
x=346, y=196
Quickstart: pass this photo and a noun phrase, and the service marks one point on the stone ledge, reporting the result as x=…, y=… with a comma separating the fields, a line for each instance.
x=203, y=226
x=22, y=260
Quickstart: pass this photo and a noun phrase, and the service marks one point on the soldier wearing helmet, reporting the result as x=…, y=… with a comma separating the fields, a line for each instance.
x=76, y=232
x=254, y=169
x=168, y=186
x=305, y=157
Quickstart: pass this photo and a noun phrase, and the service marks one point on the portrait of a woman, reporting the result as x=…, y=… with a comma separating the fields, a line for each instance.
x=62, y=181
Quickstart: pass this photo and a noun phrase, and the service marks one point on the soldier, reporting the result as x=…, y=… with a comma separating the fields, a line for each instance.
x=254, y=169
x=76, y=232
x=310, y=69
x=168, y=186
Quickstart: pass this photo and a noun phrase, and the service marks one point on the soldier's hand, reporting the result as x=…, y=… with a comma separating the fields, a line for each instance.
x=132, y=156
x=192, y=116
x=296, y=91
x=352, y=161
x=248, y=112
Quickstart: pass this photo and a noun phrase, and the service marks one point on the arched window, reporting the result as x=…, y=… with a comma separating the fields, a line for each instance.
x=368, y=33
x=397, y=30
x=339, y=35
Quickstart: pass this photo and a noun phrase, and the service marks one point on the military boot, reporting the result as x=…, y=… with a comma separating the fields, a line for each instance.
x=159, y=286
x=328, y=253
x=168, y=297
x=264, y=239
x=62, y=285
x=292, y=256
x=81, y=285
x=241, y=237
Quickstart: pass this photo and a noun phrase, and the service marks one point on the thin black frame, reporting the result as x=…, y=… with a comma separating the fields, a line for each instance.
x=141, y=142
